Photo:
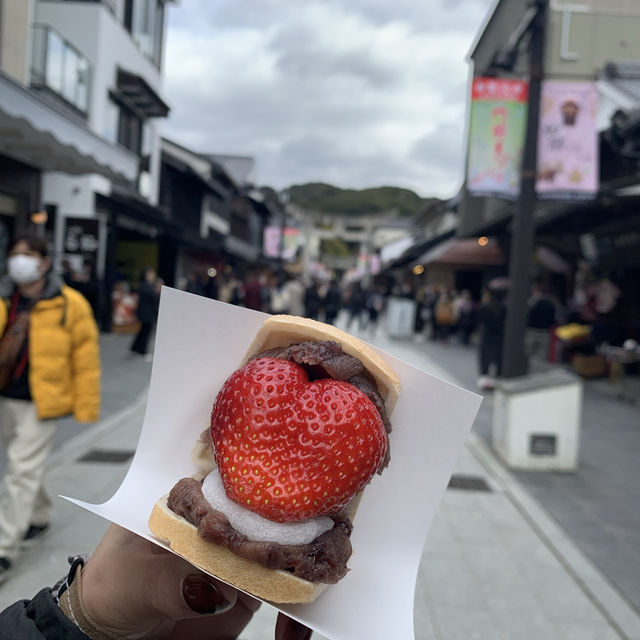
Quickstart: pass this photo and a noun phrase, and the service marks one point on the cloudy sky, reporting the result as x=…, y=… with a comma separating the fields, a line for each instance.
x=356, y=93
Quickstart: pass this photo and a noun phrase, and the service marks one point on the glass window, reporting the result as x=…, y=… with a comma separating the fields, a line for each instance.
x=70, y=75
x=82, y=88
x=111, y=116
x=129, y=130
x=55, y=53
x=146, y=20
x=61, y=68
x=128, y=15
x=159, y=28
x=39, y=54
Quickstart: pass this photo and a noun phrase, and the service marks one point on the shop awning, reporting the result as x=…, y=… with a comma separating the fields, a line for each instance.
x=241, y=249
x=463, y=252
x=136, y=92
x=411, y=254
x=38, y=134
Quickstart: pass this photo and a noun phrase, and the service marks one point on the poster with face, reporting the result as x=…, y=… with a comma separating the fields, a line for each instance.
x=567, y=141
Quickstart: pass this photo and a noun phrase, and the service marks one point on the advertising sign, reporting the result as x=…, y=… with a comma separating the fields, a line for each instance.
x=271, y=242
x=290, y=243
x=496, y=136
x=281, y=243
x=80, y=241
x=567, y=141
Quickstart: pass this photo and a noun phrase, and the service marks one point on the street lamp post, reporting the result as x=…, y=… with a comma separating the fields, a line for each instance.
x=515, y=361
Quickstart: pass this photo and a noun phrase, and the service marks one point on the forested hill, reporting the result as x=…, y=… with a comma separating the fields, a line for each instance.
x=317, y=196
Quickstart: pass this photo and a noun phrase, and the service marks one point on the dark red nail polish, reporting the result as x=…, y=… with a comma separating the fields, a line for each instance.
x=202, y=595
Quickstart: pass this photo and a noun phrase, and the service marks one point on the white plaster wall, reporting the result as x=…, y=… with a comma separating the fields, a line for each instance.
x=73, y=195
x=101, y=38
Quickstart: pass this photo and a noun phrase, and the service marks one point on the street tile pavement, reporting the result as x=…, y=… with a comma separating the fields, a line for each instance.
x=488, y=569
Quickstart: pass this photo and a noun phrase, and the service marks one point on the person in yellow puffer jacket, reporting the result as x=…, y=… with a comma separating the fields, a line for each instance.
x=57, y=373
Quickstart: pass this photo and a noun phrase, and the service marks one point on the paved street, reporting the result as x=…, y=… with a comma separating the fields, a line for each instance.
x=506, y=556
x=599, y=505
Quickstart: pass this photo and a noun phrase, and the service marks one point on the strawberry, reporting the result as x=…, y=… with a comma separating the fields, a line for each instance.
x=290, y=449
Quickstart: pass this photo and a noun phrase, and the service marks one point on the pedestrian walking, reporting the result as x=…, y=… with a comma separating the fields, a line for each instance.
x=491, y=318
x=253, y=293
x=465, y=311
x=332, y=302
x=444, y=315
x=293, y=291
x=541, y=317
x=147, y=312
x=49, y=367
x=375, y=305
x=312, y=301
x=429, y=310
x=357, y=306
x=86, y=283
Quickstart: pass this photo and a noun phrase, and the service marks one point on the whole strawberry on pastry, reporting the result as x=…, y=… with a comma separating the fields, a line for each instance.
x=296, y=434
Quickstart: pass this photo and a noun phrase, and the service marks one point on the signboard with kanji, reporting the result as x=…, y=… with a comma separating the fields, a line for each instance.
x=496, y=136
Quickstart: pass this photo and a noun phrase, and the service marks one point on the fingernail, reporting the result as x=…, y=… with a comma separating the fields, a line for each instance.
x=202, y=595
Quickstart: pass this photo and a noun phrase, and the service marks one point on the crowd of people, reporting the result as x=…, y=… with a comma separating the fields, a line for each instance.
x=442, y=314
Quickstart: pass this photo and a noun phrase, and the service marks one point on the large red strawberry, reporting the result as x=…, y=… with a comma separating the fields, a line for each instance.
x=290, y=449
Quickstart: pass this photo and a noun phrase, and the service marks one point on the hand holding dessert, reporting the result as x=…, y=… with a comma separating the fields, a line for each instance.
x=130, y=587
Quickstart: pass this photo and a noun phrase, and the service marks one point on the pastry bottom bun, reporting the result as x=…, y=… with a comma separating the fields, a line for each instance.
x=274, y=585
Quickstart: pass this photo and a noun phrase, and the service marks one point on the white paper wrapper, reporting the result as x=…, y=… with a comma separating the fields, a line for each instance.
x=199, y=343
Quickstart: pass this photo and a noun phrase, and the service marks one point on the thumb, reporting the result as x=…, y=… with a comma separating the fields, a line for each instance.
x=177, y=590
x=203, y=594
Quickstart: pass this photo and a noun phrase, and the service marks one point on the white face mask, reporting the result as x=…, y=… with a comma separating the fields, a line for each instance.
x=24, y=269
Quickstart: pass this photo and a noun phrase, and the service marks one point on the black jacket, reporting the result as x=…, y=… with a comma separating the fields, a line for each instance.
x=332, y=300
x=37, y=619
x=148, y=300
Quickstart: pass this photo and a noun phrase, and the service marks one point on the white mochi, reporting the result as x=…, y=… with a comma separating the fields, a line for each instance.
x=256, y=527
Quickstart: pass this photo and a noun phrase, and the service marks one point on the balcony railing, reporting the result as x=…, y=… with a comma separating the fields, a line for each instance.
x=59, y=68
x=110, y=4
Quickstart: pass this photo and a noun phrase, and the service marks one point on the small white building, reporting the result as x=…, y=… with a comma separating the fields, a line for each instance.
x=80, y=94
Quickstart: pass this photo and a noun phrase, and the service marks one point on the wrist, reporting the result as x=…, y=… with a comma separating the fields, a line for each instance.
x=68, y=594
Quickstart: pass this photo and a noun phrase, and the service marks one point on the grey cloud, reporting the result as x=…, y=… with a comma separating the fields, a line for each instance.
x=429, y=16
x=316, y=113
x=304, y=159
x=252, y=112
x=442, y=148
x=308, y=60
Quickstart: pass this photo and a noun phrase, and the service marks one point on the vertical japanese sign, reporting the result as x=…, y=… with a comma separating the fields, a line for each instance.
x=290, y=242
x=81, y=241
x=280, y=243
x=567, y=141
x=271, y=241
x=496, y=136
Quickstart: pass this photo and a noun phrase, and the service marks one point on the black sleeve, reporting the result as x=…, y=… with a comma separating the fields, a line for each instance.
x=37, y=619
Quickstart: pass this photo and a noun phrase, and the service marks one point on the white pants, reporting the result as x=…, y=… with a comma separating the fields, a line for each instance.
x=27, y=443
